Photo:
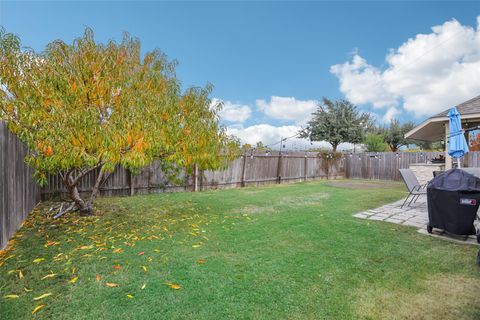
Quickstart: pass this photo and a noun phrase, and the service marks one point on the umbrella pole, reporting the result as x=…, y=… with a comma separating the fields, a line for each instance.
x=459, y=163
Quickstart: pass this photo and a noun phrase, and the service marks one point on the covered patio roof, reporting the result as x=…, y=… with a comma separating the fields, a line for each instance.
x=433, y=129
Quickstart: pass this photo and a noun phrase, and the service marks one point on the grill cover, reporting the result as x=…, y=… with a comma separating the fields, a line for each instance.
x=455, y=180
x=453, y=200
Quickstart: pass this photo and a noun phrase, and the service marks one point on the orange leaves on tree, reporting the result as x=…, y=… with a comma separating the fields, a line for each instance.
x=147, y=109
x=139, y=145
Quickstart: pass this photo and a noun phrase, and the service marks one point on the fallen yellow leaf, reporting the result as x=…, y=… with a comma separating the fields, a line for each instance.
x=73, y=280
x=144, y=285
x=111, y=285
x=38, y=308
x=51, y=275
x=144, y=268
x=196, y=246
x=38, y=260
x=174, y=286
x=130, y=296
x=42, y=296
x=11, y=296
x=27, y=290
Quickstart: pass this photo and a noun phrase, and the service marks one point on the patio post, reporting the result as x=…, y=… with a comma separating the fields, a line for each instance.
x=448, y=159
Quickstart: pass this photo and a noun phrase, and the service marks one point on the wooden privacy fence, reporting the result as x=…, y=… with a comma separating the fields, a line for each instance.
x=384, y=165
x=250, y=169
x=18, y=192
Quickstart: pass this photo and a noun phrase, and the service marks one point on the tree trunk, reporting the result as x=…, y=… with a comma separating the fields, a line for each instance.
x=96, y=188
x=85, y=207
x=82, y=206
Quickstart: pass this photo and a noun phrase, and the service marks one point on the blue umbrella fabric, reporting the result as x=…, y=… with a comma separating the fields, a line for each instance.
x=457, y=145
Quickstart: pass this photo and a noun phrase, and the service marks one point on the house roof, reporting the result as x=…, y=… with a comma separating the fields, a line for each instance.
x=467, y=107
x=433, y=128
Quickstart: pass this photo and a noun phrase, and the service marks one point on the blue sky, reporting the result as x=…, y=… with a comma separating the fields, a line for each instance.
x=266, y=59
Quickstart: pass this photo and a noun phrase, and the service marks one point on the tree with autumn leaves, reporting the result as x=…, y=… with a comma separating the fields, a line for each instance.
x=89, y=106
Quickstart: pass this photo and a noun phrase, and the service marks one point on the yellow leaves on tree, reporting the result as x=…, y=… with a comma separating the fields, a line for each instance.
x=107, y=105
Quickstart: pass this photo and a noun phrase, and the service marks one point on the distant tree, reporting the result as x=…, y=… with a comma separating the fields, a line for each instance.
x=260, y=146
x=246, y=147
x=375, y=142
x=428, y=145
x=88, y=107
x=337, y=122
x=394, y=134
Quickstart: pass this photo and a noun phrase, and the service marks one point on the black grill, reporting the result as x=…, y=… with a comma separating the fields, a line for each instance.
x=453, y=200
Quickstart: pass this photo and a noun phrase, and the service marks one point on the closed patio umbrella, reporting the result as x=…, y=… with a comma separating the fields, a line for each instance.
x=457, y=144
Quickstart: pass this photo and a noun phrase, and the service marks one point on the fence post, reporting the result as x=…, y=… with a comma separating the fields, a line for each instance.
x=130, y=182
x=242, y=179
x=279, y=168
x=195, y=178
x=306, y=162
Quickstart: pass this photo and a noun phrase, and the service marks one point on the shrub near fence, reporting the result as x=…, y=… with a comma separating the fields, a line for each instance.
x=18, y=192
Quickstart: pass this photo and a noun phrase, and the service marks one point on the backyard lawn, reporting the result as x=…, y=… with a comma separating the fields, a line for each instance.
x=275, y=252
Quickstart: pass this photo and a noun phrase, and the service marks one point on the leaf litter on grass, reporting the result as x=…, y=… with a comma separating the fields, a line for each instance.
x=74, y=240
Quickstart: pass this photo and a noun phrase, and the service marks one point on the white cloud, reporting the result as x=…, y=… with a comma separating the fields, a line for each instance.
x=391, y=113
x=288, y=108
x=233, y=112
x=269, y=134
x=425, y=75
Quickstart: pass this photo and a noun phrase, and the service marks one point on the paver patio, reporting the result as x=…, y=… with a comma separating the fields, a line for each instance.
x=415, y=215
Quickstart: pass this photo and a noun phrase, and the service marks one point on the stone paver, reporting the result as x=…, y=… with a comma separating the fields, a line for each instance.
x=415, y=215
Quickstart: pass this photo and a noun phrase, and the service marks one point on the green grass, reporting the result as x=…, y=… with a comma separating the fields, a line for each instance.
x=276, y=252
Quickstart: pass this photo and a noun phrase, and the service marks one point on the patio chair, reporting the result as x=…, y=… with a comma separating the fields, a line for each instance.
x=415, y=189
